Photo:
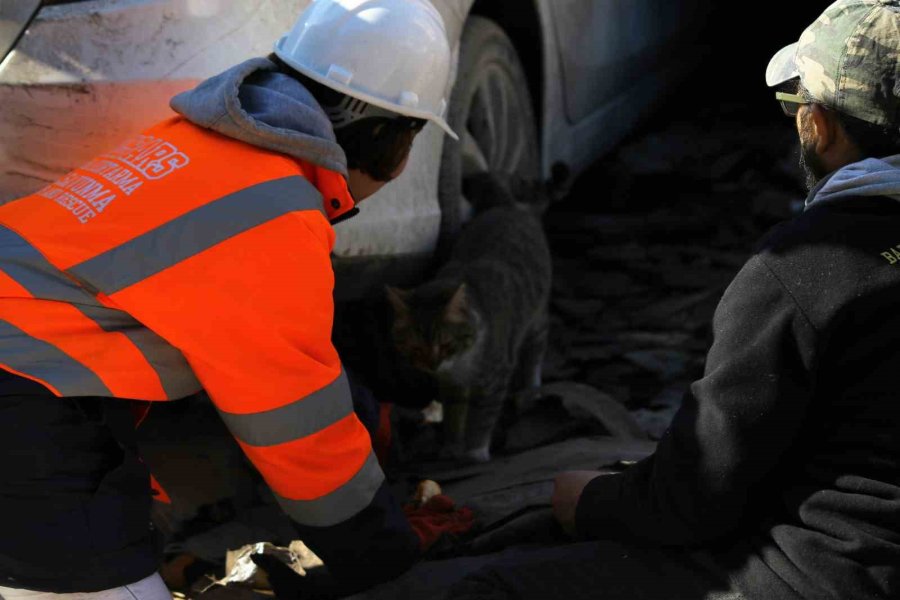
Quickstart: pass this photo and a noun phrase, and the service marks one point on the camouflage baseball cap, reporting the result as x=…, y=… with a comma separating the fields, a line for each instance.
x=849, y=60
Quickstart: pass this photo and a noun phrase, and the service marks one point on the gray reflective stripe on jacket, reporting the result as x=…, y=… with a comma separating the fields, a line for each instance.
x=297, y=420
x=196, y=231
x=293, y=421
x=175, y=375
x=341, y=504
x=34, y=357
x=27, y=266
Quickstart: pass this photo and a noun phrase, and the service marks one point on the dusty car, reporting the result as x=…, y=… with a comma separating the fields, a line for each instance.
x=541, y=88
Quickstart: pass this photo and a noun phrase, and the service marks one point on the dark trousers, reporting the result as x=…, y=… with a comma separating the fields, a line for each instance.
x=74, y=497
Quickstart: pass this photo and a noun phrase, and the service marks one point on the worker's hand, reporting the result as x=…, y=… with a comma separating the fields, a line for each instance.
x=567, y=492
x=436, y=518
x=289, y=585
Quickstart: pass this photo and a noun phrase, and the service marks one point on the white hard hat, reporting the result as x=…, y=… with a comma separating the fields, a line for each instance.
x=393, y=54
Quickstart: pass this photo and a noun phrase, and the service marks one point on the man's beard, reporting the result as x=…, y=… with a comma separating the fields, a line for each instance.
x=811, y=164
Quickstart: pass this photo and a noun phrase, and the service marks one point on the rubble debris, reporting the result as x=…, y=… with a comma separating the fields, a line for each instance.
x=546, y=424
x=776, y=204
x=654, y=339
x=672, y=307
x=579, y=309
x=585, y=402
x=665, y=363
x=655, y=419
x=585, y=351
x=531, y=525
x=640, y=267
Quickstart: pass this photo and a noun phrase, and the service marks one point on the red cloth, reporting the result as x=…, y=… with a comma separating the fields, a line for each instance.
x=159, y=493
x=437, y=517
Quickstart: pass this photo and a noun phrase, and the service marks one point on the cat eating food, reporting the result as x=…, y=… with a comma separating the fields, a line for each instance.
x=479, y=327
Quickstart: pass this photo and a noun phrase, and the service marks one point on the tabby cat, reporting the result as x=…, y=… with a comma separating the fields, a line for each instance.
x=480, y=326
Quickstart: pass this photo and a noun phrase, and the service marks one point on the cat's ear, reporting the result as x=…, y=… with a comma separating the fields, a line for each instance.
x=456, y=312
x=398, y=299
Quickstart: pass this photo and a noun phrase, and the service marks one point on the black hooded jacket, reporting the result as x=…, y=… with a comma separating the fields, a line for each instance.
x=784, y=460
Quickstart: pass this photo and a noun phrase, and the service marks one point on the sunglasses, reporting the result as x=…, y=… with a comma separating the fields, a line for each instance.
x=790, y=103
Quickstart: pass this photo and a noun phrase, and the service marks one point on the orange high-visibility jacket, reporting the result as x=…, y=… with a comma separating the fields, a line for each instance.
x=184, y=259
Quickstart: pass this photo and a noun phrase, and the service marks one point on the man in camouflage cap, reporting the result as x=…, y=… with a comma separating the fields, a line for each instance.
x=846, y=70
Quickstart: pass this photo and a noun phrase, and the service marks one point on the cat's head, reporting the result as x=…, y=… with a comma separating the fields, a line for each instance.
x=432, y=324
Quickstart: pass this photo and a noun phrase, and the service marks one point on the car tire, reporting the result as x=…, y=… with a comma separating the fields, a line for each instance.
x=491, y=111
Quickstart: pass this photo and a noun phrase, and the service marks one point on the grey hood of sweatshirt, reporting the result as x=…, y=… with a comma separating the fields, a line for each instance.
x=253, y=103
x=870, y=177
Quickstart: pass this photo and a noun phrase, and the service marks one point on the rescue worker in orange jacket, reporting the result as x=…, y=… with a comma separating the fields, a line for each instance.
x=197, y=255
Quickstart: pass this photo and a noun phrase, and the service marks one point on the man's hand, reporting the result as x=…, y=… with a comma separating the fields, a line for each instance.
x=567, y=492
x=290, y=585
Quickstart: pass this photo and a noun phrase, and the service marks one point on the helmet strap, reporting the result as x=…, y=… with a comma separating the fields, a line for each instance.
x=350, y=110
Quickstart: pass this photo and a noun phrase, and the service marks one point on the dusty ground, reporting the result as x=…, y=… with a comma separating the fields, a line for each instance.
x=648, y=241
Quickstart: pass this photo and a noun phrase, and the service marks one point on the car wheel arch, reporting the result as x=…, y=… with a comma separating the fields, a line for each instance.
x=522, y=22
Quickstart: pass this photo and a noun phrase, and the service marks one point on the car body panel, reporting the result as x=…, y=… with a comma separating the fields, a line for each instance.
x=584, y=115
x=626, y=41
x=14, y=16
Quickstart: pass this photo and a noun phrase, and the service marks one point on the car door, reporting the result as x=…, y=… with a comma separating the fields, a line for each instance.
x=607, y=46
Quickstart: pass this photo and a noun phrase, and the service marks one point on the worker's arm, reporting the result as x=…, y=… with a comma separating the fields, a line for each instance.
x=733, y=428
x=253, y=316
